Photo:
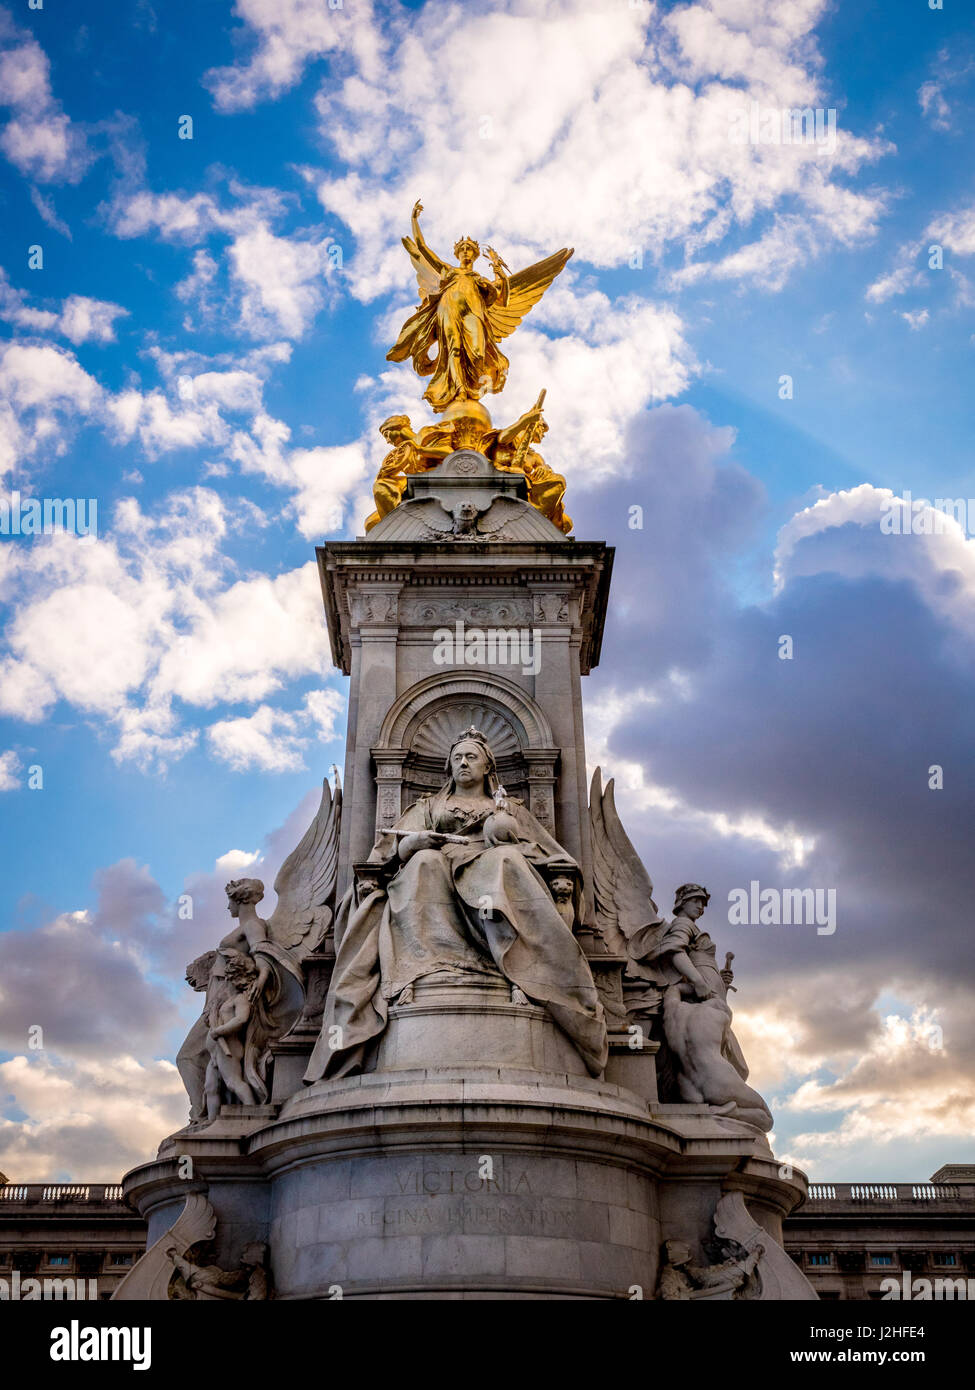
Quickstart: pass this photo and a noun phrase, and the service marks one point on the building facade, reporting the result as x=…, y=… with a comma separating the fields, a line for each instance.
x=848, y=1238
x=56, y=1232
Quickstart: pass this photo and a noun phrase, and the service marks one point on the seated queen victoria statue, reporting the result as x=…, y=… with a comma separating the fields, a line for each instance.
x=459, y=887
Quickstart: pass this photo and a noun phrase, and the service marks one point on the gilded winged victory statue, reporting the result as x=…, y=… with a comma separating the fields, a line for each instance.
x=452, y=337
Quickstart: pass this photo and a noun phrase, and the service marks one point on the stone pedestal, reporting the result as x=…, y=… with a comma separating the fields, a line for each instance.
x=472, y=1022
x=506, y=1172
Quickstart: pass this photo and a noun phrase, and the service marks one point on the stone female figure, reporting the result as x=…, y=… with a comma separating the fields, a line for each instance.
x=464, y=894
x=710, y=1066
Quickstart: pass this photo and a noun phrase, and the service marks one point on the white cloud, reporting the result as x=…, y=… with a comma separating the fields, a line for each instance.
x=274, y=740
x=84, y=1117
x=267, y=739
x=172, y=216
x=932, y=101
x=282, y=280
x=955, y=230
x=915, y=319
x=904, y=1085
x=48, y=213
x=34, y=377
x=89, y=320
x=935, y=554
x=9, y=771
x=290, y=34
x=160, y=427
x=235, y=391
x=41, y=389
x=326, y=479
x=38, y=139
x=950, y=70
x=903, y=276
x=788, y=243
x=276, y=284
x=80, y=319
x=324, y=707
x=636, y=793
x=236, y=860
x=145, y=624
x=243, y=643
x=636, y=111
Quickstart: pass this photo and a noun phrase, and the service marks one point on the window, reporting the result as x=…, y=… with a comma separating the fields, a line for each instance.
x=122, y=1259
x=820, y=1259
x=61, y=1260
x=939, y=1258
x=881, y=1259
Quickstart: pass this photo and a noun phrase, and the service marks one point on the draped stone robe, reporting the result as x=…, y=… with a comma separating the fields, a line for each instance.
x=472, y=908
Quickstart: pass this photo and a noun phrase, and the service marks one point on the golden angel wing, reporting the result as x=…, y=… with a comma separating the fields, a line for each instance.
x=427, y=279
x=524, y=291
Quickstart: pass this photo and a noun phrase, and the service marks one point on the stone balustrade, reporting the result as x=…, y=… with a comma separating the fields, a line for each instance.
x=100, y=1193
x=877, y=1193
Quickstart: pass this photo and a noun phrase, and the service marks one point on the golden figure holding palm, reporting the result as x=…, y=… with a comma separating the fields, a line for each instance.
x=453, y=335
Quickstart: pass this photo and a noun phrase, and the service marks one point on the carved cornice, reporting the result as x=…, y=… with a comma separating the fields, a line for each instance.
x=566, y=584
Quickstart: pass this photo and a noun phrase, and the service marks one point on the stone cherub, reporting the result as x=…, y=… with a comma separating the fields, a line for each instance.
x=211, y=1283
x=254, y=980
x=682, y=1280
x=228, y=1015
x=672, y=977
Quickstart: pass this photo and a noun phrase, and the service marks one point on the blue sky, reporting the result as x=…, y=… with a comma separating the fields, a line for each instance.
x=203, y=353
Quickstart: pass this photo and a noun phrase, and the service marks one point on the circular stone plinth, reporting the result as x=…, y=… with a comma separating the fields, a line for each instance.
x=495, y=1183
x=472, y=1022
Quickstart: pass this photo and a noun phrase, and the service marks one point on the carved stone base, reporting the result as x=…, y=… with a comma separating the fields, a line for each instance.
x=476, y=1182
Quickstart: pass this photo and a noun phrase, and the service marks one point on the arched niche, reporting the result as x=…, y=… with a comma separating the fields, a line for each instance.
x=422, y=724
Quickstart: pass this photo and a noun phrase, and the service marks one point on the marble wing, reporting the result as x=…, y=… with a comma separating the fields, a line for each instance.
x=427, y=279
x=525, y=289
x=498, y=514
x=305, y=884
x=777, y=1278
x=150, y=1276
x=622, y=888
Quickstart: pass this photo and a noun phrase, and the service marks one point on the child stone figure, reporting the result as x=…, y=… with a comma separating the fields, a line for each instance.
x=227, y=1021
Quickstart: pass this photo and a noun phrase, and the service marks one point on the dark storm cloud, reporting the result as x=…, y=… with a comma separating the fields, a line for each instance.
x=700, y=509
x=82, y=977
x=838, y=742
